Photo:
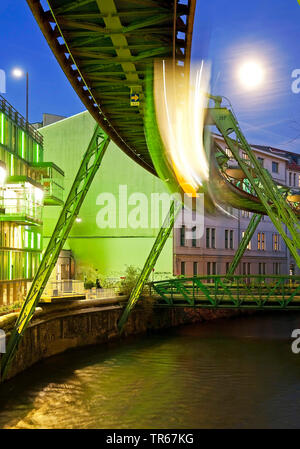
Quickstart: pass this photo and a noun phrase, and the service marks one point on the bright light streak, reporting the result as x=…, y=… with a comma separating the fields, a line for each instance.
x=251, y=74
x=180, y=109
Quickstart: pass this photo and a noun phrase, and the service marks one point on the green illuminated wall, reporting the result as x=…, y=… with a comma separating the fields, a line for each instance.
x=108, y=250
x=20, y=244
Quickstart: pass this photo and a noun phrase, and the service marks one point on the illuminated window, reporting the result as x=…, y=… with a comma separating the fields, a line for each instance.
x=261, y=241
x=249, y=244
x=245, y=214
x=275, y=242
x=228, y=152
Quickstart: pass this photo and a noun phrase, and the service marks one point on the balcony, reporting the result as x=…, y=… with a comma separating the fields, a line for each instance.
x=2, y=183
x=22, y=201
x=19, y=120
x=52, y=181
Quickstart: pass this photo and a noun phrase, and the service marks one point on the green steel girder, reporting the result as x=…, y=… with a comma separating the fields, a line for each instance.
x=156, y=249
x=116, y=40
x=85, y=175
x=254, y=222
x=267, y=191
x=236, y=292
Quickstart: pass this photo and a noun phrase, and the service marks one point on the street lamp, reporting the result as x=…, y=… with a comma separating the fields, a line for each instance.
x=19, y=73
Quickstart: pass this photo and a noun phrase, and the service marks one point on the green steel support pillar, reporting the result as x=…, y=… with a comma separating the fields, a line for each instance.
x=267, y=191
x=85, y=175
x=159, y=243
x=254, y=222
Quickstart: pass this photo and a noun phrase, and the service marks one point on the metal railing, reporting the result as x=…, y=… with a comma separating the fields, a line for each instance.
x=67, y=287
x=258, y=292
x=19, y=120
x=22, y=208
x=73, y=287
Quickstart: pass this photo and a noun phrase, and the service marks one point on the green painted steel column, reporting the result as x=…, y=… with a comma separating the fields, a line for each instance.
x=254, y=222
x=158, y=245
x=85, y=175
x=267, y=191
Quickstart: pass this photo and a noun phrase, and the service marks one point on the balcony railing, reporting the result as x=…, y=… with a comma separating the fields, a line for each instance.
x=19, y=120
x=52, y=181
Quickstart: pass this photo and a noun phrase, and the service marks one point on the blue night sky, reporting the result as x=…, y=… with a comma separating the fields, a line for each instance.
x=226, y=33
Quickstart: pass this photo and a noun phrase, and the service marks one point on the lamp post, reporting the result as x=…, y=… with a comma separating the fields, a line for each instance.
x=19, y=73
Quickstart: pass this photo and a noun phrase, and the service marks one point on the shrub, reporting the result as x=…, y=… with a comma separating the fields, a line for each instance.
x=127, y=284
x=89, y=284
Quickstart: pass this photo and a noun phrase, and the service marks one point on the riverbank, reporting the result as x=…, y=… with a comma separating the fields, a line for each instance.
x=57, y=328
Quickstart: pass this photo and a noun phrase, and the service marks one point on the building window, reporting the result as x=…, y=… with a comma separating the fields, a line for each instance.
x=194, y=240
x=227, y=267
x=261, y=161
x=292, y=269
x=275, y=167
x=195, y=268
x=245, y=156
x=210, y=237
x=207, y=237
x=261, y=268
x=246, y=268
x=211, y=268
x=228, y=152
x=231, y=240
x=182, y=236
x=182, y=268
x=226, y=238
x=290, y=178
x=249, y=244
x=261, y=241
x=245, y=214
x=213, y=238
x=295, y=179
x=275, y=242
x=276, y=268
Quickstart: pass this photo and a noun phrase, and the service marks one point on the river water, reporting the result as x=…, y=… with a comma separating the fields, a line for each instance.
x=234, y=373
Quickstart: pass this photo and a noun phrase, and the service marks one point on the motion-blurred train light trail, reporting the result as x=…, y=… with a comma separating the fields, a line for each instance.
x=180, y=104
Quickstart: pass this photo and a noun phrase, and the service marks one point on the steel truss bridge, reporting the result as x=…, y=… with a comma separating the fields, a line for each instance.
x=107, y=49
x=229, y=292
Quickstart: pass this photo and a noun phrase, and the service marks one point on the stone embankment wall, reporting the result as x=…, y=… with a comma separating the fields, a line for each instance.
x=56, y=328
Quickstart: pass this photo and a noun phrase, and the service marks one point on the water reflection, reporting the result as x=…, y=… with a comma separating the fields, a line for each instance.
x=231, y=373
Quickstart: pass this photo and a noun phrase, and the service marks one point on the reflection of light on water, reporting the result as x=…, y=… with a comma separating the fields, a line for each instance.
x=180, y=109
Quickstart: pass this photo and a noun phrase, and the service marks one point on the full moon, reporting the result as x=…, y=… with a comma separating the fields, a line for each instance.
x=17, y=73
x=251, y=74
